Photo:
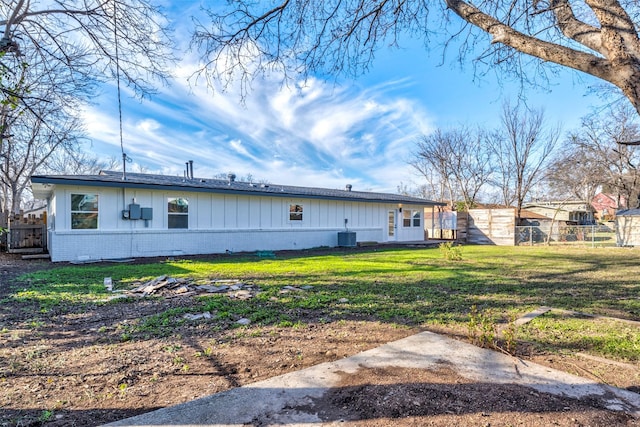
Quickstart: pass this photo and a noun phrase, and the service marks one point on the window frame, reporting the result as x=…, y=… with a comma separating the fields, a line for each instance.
x=174, y=215
x=296, y=212
x=406, y=218
x=417, y=216
x=411, y=218
x=83, y=212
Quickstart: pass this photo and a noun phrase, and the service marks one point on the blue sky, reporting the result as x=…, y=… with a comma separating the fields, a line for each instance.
x=316, y=133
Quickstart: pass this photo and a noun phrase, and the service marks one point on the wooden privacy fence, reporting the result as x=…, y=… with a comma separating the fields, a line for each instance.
x=26, y=233
x=487, y=226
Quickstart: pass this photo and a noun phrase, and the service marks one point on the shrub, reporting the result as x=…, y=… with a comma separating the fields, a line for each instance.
x=451, y=251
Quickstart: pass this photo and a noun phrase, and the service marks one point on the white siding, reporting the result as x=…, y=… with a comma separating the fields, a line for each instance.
x=243, y=207
x=230, y=212
x=217, y=223
x=266, y=214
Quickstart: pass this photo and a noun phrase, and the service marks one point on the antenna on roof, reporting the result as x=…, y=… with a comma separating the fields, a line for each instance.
x=125, y=159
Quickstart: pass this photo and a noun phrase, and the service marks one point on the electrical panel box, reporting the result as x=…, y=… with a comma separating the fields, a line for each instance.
x=134, y=211
x=146, y=213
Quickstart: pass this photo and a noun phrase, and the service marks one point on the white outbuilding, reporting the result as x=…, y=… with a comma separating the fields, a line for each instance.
x=113, y=216
x=628, y=227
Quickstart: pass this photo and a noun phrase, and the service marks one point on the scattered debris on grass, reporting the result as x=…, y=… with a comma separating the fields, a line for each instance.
x=197, y=316
x=171, y=287
x=288, y=289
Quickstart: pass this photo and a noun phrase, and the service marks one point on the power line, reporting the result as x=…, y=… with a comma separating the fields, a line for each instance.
x=115, y=35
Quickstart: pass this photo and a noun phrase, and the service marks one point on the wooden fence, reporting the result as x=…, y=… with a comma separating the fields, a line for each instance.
x=488, y=226
x=26, y=233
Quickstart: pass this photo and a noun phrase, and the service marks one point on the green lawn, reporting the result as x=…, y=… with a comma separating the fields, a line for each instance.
x=416, y=287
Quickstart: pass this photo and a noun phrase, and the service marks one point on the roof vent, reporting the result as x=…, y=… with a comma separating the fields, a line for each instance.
x=232, y=177
x=349, y=186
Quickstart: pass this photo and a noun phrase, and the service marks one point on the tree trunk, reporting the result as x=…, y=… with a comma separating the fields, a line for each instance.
x=15, y=200
x=627, y=78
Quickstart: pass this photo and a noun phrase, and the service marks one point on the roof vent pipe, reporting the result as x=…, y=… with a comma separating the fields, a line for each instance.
x=232, y=177
x=191, y=168
x=186, y=170
x=349, y=186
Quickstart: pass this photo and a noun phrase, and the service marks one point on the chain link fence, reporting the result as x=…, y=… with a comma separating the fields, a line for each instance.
x=557, y=234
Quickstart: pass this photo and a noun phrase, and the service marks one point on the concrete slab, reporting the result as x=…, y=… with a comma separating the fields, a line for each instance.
x=273, y=399
x=530, y=316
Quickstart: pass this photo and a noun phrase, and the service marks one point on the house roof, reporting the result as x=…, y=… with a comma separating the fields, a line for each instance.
x=527, y=214
x=43, y=185
x=566, y=206
x=628, y=212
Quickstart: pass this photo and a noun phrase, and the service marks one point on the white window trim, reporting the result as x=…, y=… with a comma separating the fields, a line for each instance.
x=411, y=218
x=302, y=213
x=169, y=214
x=71, y=211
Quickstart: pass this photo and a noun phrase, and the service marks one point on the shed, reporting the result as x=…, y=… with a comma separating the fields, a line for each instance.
x=110, y=216
x=628, y=227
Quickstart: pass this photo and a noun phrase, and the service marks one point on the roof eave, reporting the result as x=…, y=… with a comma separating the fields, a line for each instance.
x=52, y=180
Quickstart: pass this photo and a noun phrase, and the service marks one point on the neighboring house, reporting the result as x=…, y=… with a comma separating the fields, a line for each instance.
x=533, y=219
x=93, y=217
x=605, y=206
x=571, y=211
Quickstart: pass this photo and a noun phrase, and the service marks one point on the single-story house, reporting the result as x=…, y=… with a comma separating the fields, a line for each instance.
x=573, y=211
x=111, y=216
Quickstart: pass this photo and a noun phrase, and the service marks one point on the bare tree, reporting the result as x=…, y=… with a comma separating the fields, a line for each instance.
x=38, y=121
x=51, y=55
x=79, y=162
x=615, y=165
x=576, y=172
x=523, y=147
x=28, y=151
x=33, y=132
x=597, y=37
x=93, y=39
x=459, y=158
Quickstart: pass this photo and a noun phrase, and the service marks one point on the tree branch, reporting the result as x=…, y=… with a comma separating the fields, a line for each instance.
x=544, y=50
x=573, y=28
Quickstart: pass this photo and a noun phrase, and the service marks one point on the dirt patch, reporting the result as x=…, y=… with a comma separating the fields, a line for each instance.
x=79, y=368
x=419, y=397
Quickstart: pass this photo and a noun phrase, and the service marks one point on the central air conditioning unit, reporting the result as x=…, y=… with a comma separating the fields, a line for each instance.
x=347, y=239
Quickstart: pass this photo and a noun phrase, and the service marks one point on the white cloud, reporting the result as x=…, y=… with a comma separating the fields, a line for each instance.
x=310, y=133
x=148, y=125
x=236, y=145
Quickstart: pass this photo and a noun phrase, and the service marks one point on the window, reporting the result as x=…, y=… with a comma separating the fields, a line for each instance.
x=406, y=218
x=84, y=211
x=411, y=218
x=416, y=219
x=295, y=212
x=178, y=213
